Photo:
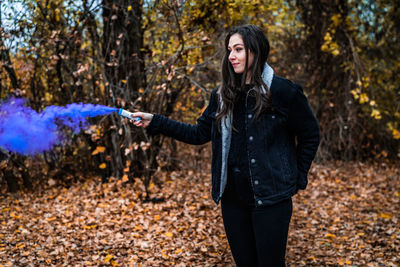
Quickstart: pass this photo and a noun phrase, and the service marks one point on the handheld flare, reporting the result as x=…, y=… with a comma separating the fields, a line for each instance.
x=127, y=114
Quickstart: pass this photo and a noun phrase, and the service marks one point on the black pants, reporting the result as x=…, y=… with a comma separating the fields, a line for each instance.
x=257, y=235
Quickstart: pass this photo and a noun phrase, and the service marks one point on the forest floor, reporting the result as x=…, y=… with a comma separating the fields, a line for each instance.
x=348, y=216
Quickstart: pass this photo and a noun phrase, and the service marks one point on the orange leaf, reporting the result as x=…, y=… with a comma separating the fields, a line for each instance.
x=20, y=245
x=169, y=234
x=51, y=219
x=108, y=258
x=330, y=235
x=99, y=149
x=151, y=186
x=385, y=215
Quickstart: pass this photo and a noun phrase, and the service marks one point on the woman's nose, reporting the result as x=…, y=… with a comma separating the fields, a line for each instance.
x=231, y=56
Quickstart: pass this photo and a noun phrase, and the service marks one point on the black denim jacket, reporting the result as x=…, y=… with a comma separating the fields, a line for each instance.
x=281, y=143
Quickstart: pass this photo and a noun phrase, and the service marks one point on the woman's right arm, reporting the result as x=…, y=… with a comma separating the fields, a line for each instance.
x=196, y=134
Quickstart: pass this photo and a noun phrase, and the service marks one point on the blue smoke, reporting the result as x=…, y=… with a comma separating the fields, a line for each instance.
x=27, y=132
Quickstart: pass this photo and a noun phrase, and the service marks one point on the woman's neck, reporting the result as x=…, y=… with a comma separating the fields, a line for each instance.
x=248, y=77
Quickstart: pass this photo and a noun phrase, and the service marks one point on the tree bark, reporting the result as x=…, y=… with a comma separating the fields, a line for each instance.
x=5, y=60
x=124, y=73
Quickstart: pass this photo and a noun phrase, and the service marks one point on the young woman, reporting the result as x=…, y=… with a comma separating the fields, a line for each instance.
x=264, y=138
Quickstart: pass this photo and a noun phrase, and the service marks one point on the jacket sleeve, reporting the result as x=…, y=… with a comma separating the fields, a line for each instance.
x=306, y=129
x=197, y=134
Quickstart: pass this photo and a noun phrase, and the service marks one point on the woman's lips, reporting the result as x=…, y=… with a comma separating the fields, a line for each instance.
x=235, y=64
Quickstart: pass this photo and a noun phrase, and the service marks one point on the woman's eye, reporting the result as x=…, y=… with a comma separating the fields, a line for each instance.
x=238, y=49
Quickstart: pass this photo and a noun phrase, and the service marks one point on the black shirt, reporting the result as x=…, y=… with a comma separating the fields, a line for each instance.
x=238, y=186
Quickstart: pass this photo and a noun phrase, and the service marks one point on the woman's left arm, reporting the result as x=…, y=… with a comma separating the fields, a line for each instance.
x=305, y=126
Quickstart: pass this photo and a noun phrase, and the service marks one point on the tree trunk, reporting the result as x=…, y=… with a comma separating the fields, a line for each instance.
x=11, y=181
x=5, y=61
x=124, y=75
x=331, y=85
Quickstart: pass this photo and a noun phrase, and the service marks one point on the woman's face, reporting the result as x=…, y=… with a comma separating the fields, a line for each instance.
x=237, y=55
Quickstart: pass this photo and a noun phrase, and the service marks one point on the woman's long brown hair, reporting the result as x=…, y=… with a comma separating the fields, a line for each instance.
x=257, y=42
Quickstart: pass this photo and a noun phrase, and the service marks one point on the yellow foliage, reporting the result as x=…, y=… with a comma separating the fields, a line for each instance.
x=327, y=37
x=335, y=52
x=102, y=166
x=376, y=114
x=325, y=47
x=355, y=93
x=336, y=20
x=396, y=134
x=364, y=98
x=48, y=97
x=329, y=46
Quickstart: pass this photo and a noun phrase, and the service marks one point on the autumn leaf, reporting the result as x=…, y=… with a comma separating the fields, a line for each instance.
x=168, y=234
x=125, y=178
x=108, y=258
x=151, y=186
x=330, y=236
x=99, y=149
x=20, y=245
x=385, y=215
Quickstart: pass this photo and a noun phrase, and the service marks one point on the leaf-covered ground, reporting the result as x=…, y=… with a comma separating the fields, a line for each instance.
x=348, y=216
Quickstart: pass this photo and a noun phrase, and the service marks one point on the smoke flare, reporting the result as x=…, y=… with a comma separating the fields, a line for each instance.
x=27, y=132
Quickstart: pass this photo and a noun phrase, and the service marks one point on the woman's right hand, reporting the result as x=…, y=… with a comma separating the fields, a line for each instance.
x=145, y=119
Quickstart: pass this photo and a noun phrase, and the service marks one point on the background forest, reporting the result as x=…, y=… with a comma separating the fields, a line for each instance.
x=163, y=56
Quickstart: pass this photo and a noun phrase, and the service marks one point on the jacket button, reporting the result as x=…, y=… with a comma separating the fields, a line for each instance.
x=250, y=116
x=251, y=138
x=253, y=161
x=256, y=182
x=259, y=202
